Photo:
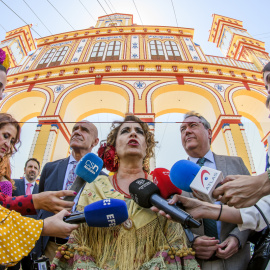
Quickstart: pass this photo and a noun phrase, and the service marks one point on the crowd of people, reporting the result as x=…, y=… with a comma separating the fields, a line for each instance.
x=146, y=240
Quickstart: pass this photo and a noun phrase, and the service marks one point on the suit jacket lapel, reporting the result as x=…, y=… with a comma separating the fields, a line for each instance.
x=35, y=190
x=221, y=164
x=21, y=187
x=61, y=173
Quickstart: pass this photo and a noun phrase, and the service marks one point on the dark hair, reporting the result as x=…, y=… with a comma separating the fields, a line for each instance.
x=205, y=123
x=32, y=159
x=266, y=67
x=5, y=119
x=149, y=136
x=2, y=68
x=267, y=102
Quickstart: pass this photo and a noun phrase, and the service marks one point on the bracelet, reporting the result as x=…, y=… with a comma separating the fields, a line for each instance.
x=219, y=212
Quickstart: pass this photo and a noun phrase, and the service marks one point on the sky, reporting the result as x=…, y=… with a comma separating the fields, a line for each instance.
x=82, y=14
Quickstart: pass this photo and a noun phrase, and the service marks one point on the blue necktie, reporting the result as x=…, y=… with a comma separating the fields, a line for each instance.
x=210, y=225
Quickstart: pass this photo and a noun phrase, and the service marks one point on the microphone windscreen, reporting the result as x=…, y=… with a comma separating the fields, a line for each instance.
x=161, y=177
x=89, y=167
x=182, y=174
x=106, y=213
x=141, y=191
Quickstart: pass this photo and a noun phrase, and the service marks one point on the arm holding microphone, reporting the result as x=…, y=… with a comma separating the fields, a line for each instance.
x=26, y=205
x=199, y=209
x=243, y=190
x=246, y=218
x=203, y=180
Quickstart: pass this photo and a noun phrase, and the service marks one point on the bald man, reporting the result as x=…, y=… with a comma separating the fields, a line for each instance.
x=59, y=174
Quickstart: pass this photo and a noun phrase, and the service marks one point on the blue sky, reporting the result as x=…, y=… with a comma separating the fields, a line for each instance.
x=191, y=14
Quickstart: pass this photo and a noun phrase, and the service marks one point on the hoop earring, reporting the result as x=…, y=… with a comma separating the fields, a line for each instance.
x=146, y=164
x=116, y=160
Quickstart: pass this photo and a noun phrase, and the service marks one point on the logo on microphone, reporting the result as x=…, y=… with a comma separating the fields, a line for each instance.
x=140, y=182
x=106, y=202
x=91, y=166
x=111, y=220
x=204, y=177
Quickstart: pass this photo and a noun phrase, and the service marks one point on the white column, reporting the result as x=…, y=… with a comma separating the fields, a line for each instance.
x=253, y=170
x=229, y=139
x=34, y=141
x=50, y=144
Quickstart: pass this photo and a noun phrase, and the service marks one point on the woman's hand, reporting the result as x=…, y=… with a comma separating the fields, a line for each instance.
x=196, y=208
x=56, y=227
x=243, y=191
x=52, y=200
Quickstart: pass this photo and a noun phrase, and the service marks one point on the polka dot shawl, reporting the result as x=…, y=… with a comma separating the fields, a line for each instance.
x=18, y=236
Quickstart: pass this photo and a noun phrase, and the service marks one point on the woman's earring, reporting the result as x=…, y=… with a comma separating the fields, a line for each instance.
x=146, y=163
x=116, y=159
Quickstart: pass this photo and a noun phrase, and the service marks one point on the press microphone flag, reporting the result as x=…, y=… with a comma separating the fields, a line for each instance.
x=146, y=194
x=103, y=213
x=87, y=170
x=161, y=177
x=189, y=177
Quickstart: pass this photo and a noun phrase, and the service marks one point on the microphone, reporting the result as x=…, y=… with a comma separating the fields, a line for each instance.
x=87, y=170
x=145, y=193
x=162, y=179
x=189, y=177
x=167, y=189
x=103, y=213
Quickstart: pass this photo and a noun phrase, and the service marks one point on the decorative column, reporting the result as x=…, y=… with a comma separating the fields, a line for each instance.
x=235, y=138
x=253, y=170
x=45, y=137
x=229, y=139
x=50, y=143
x=31, y=153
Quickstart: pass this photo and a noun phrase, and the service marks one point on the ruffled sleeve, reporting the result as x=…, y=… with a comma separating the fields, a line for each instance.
x=18, y=236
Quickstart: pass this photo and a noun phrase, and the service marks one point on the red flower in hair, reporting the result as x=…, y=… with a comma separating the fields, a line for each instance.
x=107, y=154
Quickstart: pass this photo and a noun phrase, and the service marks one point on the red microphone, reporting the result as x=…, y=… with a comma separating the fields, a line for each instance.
x=161, y=177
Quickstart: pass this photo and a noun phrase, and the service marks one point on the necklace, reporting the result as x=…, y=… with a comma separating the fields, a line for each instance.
x=116, y=187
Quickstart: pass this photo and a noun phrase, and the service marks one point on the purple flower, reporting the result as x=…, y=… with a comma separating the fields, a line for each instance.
x=2, y=56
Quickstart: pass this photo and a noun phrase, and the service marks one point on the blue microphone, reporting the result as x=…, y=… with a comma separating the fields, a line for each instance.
x=190, y=177
x=103, y=213
x=182, y=174
x=87, y=170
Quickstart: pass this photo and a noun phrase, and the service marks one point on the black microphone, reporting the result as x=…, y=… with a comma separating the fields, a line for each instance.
x=146, y=194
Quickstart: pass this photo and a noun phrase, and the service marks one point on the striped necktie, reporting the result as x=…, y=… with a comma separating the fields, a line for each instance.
x=210, y=225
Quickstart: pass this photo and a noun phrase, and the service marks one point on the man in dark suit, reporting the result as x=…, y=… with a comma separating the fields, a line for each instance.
x=27, y=186
x=218, y=245
x=59, y=174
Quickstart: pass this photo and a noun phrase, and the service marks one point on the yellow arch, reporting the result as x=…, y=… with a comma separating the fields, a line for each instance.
x=25, y=105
